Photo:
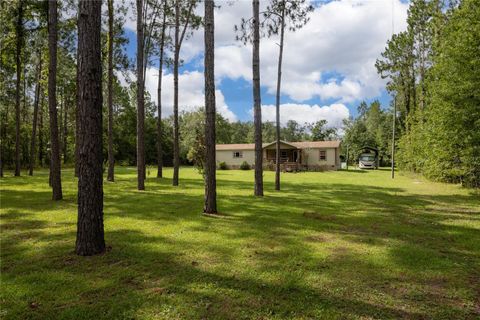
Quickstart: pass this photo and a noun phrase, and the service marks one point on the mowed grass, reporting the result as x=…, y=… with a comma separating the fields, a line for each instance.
x=346, y=245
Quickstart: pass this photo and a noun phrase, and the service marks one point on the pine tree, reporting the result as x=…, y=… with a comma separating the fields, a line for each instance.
x=90, y=233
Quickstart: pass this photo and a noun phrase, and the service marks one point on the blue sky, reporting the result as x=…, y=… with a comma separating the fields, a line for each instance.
x=328, y=65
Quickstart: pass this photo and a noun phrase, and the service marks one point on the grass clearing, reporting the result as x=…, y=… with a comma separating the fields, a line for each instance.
x=346, y=245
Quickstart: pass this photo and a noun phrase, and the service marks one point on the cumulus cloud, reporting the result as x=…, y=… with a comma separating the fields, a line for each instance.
x=302, y=113
x=191, y=92
x=331, y=59
x=342, y=37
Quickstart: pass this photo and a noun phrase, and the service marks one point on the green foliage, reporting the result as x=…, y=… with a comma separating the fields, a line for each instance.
x=222, y=165
x=452, y=126
x=245, y=166
x=372, y=127
x=433, y=72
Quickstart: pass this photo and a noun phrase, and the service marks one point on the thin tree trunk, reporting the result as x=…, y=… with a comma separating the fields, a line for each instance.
x=40, y=131
x=210, y=113
x=178, y=45
x=19, y=42
x=52, y=102
x=65, y=129
x=176, y=146
x=257, y=104
x=35, y=116
x=277, y=105
x=77, y=129
x=159, y=97
x=140, y=100
x=111, y=161
x=60, y=124
x=90, y=232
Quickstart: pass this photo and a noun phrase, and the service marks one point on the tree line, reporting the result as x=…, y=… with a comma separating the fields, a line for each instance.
x=432, y=71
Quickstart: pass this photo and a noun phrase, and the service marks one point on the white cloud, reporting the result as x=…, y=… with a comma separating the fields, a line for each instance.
x=305, y=113
x=343, y=38
x=190, y=96
x=331, y=58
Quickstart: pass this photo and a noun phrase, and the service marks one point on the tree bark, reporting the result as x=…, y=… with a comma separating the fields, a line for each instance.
x=65, y=129
x=111, y=161
x=140, y=100
x=90, y=233
x=77, y=130
x=159, y=96
x=19, y=43
x=257, y=104
x=176, y=144
x=55, y=173
x=277, y=104
x=35, y=116
x=40, y=130
x=210, y=113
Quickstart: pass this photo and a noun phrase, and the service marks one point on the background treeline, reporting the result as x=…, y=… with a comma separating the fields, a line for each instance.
x=433, y=71
x=372, y=127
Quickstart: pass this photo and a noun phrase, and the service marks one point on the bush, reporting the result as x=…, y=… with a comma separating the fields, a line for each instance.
x=244, y=166
x=222, y=166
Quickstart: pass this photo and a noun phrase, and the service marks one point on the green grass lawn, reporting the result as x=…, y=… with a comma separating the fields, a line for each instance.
x=346, y=245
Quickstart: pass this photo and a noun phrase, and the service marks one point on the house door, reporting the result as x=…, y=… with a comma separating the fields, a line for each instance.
x=295, y=155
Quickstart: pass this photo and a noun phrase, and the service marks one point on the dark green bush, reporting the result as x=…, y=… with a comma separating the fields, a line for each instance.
x=222, y=166
x=244, y=166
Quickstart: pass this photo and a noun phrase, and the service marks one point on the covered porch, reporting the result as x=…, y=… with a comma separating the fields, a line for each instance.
x=288, y=153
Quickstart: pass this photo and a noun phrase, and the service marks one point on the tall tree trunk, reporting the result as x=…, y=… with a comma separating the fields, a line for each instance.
x=56, y=181
x=77, y=130
x=40, y=130
x=176, y=144
x=277, y=103
x=35, y=115
x=159, y=96
x=257, y=104
x=90, y=233
x=140, y=100
x=178, y=45
x=60, y=123
x=77, y=122
x=3, y=134
x=65, y=129
x=210, y=113
x=19, y=43
x=111, y=161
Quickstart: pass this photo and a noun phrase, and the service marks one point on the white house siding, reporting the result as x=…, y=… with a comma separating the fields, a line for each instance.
x=311, y=158
x=227, y=157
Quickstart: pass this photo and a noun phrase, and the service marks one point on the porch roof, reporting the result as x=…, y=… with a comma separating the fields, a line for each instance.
x=298, y=145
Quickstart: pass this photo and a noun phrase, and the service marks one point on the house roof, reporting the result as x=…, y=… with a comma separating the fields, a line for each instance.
x=299, y=145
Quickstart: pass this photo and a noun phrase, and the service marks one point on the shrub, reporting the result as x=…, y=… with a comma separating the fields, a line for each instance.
x=222, y=166
x=244, y=166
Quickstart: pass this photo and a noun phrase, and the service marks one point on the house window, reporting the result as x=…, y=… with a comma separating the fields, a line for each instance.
x=323, y=155
x=238, y=154
x=283, y=154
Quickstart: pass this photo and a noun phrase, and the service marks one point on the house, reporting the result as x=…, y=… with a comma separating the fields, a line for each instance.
x=305, y=155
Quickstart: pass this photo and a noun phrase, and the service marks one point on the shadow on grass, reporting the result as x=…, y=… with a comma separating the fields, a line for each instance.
x=180, y=272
